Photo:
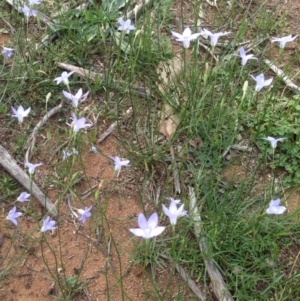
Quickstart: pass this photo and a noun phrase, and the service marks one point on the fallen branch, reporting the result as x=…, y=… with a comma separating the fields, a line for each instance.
x=114, y=125
x=175, y=171
x=138, y=9
x=283, y=76
x=191, y=283
x=21, y=176
x=219, y=287
x=117, y=84
x=30, y=143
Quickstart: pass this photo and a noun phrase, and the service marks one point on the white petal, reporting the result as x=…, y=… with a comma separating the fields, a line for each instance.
x=153, y=221
x=157, y=231
x=137, y=232
x=177, y=35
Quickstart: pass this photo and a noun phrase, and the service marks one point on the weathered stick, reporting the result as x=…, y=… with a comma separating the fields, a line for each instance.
x=113, y=126
x=283, y=76
x=119, y=85
x=138, y=9
x=21, y=176
x=219, y=287
x=191, y=283
x=32, y=137
x=175, y=171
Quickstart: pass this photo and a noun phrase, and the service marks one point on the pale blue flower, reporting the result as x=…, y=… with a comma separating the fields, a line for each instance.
x=75, y=151
x=31, y=167
x=148, y=228
x=213, y=36
x=63, y=78
x=13, y=215
x=94, y=149
x=32, y=2
x=275, y=208
x=273, y=141
x=245, y=57
x=66, y=154
x=20, y=113
x=23, y=197
x=78, y=124
x=85, y=213
x=125, y=25
x=27, y=11
x=7, y=52
x=48, y=224
x=76, y=98
x=186, y=37
x=261, y=82
x=282, y=41
x=173, y=212
x=119, y=163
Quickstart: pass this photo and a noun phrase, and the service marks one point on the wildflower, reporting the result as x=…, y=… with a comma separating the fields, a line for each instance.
x=7, y=52
x=186, y=37
x=282, y=41
x=32, y=2
x=119, y=163
x=78, y=124
x=275, y=208
x=63, y=78
x=148, y=228
x=77, y=97
x=23, y=197
x=66, y=155
x=125, y=25
x=13, y=215
x=173, y=200
x=245, y=57
x=31, y=167
x=48, y=224
x=20, y=113
x=75, y=151
x=261, y=82
x=213, y=36
x=94, y=149
x=173, y=212
x=273, y=141
x=84, y=214
x=27, y=11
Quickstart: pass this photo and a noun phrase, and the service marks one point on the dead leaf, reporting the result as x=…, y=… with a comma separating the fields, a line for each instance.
x=168, y=122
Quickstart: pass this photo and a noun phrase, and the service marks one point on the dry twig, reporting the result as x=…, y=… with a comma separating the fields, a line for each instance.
x=21, y=176
x=219, y=287
x=30, y=143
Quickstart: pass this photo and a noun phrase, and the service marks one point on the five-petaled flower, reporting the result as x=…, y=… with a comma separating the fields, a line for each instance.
x=173, y=212
x=245, y=57
x=273, y=141
x=85, y=213
x=119, y=163
x=282, y=41
x=261, y=82
x=125, y=25
x=31, y=167
x=7, y=52
x=23, y=197
x=275, y=208
x=148, y=228
x=13, y=215
x=20, y=113
x=48, y=224
x=78, y=124
x=63, y=78
x=77, y=97
x=213, y=36
x=186, y=37
x=27, y=11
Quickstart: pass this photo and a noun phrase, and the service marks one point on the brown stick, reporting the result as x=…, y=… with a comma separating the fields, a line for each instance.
x=219, y=287
x=117, y=84
x=21, y=176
